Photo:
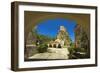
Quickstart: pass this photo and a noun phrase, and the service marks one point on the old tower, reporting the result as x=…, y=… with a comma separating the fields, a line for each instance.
x=62, y=38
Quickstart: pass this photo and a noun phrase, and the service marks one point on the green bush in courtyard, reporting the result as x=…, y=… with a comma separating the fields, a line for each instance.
x=42, y=48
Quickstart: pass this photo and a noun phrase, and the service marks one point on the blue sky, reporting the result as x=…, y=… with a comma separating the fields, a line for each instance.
x=50, y=27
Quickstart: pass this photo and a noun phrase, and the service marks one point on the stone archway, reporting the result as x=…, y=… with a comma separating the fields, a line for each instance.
x=33, y=18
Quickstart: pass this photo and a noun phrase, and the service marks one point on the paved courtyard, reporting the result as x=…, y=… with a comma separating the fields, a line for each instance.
x=52, y=53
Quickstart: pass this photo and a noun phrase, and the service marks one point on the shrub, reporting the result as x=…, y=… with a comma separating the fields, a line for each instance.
x=71, y=53
x=75, y=53
x=42, y=48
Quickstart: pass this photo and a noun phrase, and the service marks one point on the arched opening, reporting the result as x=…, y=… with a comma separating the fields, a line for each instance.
x=34, y=20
